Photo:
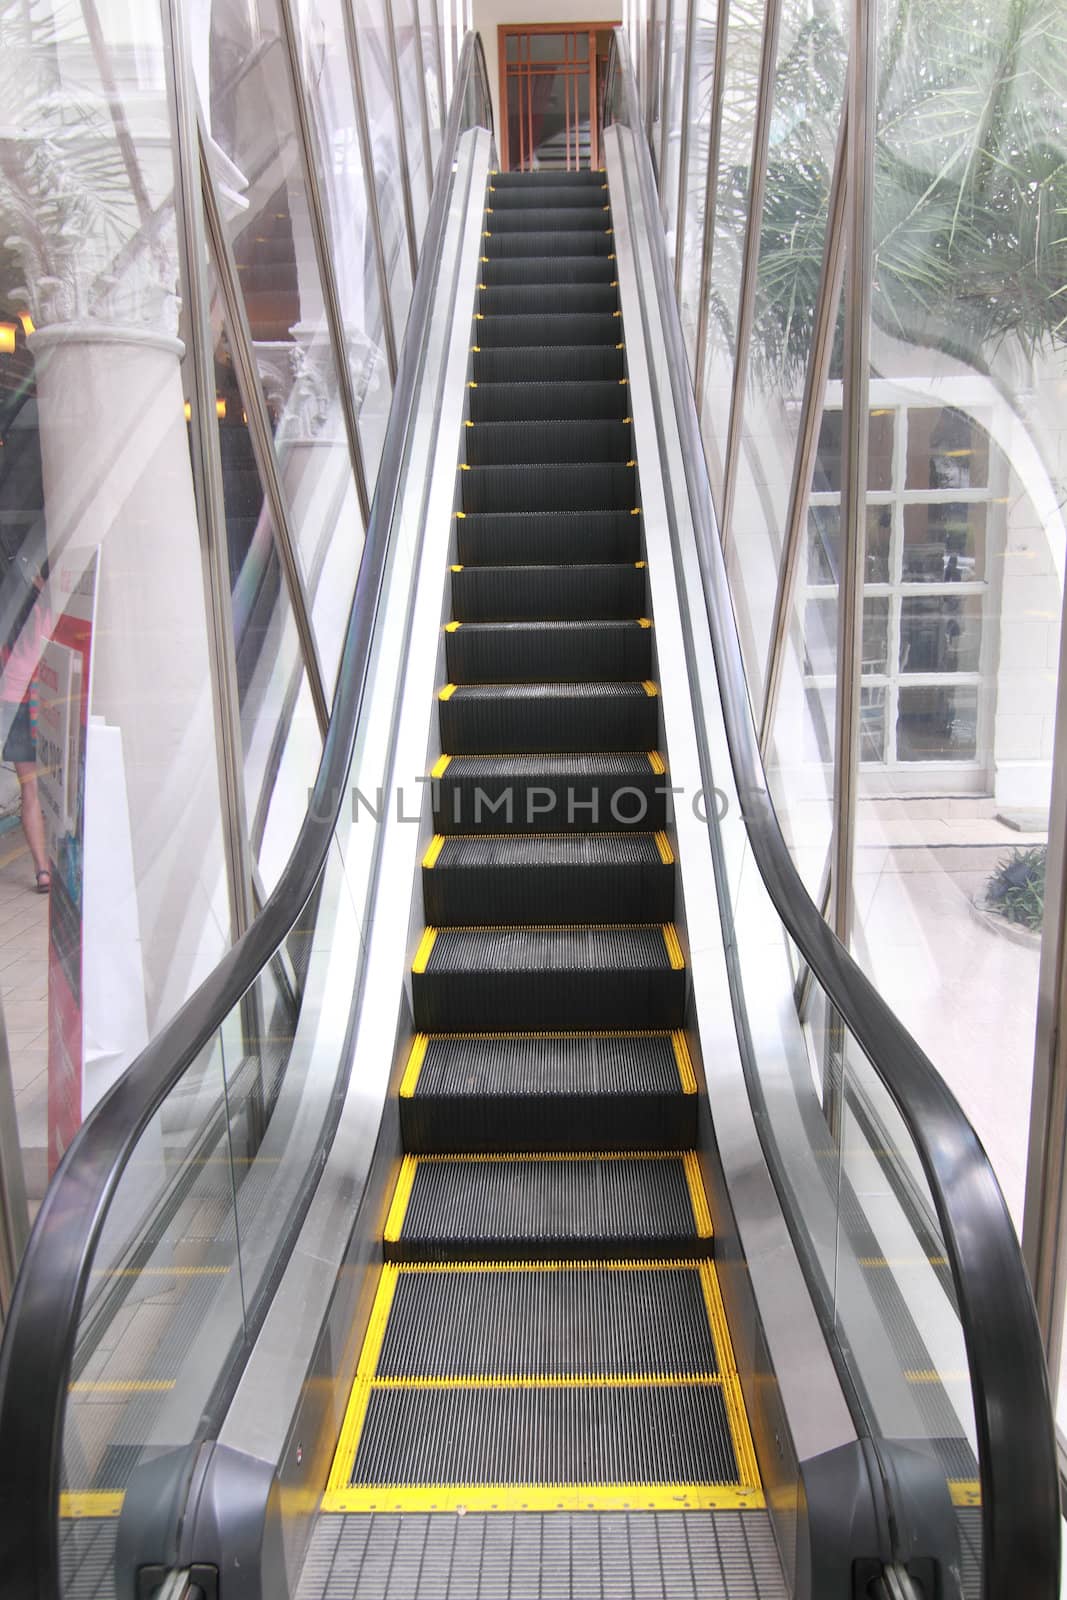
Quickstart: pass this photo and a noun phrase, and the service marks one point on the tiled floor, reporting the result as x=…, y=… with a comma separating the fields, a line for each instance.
x=24, y=997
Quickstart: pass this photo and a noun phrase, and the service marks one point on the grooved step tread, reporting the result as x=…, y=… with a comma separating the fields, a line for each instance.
x=579, y=592
x=579, y=1435
x=573, y=850
x=549, y=1322
x=606, y=650
x=545, y=949
x=583, y=1206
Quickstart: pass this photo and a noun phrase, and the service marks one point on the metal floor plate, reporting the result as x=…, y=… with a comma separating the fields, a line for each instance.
x=683, y=1555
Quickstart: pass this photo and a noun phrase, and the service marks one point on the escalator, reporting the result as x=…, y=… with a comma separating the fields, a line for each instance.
x=568, y=1257
x=548, y=1329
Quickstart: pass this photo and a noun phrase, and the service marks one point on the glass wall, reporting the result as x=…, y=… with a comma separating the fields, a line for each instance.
x=209, y=248
x=923, y=767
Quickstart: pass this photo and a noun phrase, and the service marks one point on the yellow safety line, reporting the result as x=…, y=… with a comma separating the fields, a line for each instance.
x=744, y=1450
x=547, y=1497
x=644, y=622
x=965, y=1491
x=440, y=767
x=437, y=844
x=697, y=1198
x=416, y=1057
x=456, y=567
x=453, y=627
x=650, y=689
x=663, y=845
x=674, y=949
x=931, y=1376
x=356, y=1410
x=657, y=763
x=685, y=1062
x=422, y=954
x=447, y=692
x=92, y=1503
x=640, y=565
x=399, y=1203
x=121, y=1385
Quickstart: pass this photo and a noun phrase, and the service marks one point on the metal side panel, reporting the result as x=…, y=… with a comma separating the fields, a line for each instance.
x=797, y=1410
x=292, y=1395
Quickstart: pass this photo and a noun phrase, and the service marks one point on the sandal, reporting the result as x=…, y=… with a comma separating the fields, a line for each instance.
x=44, y=880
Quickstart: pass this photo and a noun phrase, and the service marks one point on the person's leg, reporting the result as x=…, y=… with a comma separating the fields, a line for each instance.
x=32, y=820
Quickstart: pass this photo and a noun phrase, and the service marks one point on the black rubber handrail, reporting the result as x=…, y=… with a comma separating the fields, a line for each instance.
x=39, y=1340
x=1009, y=1383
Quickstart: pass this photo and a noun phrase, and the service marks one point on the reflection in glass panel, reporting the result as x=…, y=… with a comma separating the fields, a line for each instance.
x=872, y=723
x=937, y=724
x=940, y=633
x=828, y=461
x=405, y=43
x=700, y=107
x=373, y=44
x=946, y=450
x=944, y=542
x=743, y=43
x=254, y=123
x=280, y=737
x=875, y=634
x=824, y=544
x=333, y=110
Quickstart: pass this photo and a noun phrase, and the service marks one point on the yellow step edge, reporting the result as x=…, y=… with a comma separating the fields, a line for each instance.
x=684, y=1060
x=457, y=567
x=663, y=845
x=453, y=627
x=440, y=767
x=657, y=763
x=422, y=954
x=481, y=1157
x=447, y=692
x=698, y=1199
x=554, y=1380
x=416, y=1057
x=92, y=1503
x=359, y=1399
x=651, y=689
x=652, y=1264
x=644, y=622
x=437, y=844
x=965, y=1491
x=399, y=1204
x=547, y=1497
x=121, y=1386
x=674, y=949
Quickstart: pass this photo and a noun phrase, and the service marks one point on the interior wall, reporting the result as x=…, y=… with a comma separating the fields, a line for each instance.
x=492, y=14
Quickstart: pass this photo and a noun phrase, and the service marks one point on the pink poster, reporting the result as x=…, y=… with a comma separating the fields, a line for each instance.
x=62, y=720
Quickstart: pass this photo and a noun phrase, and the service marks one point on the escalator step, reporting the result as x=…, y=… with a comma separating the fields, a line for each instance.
x=547, y=299
x=483, y=979
x=592, y=486
x=504, y=880
x=547, y=269
x=570, y=241
x=498, y=719
x=667, y=1434
x=585, y=1207
x=548, y=363
x=549, y=1322
x=544, y=1091
x=559, y=328
x=547, y=443
x=543, y=402
x=547, y=537
x=519, y=652
x=511, y=197
x=552, y=219
x=529, y=794
x=588, y=178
